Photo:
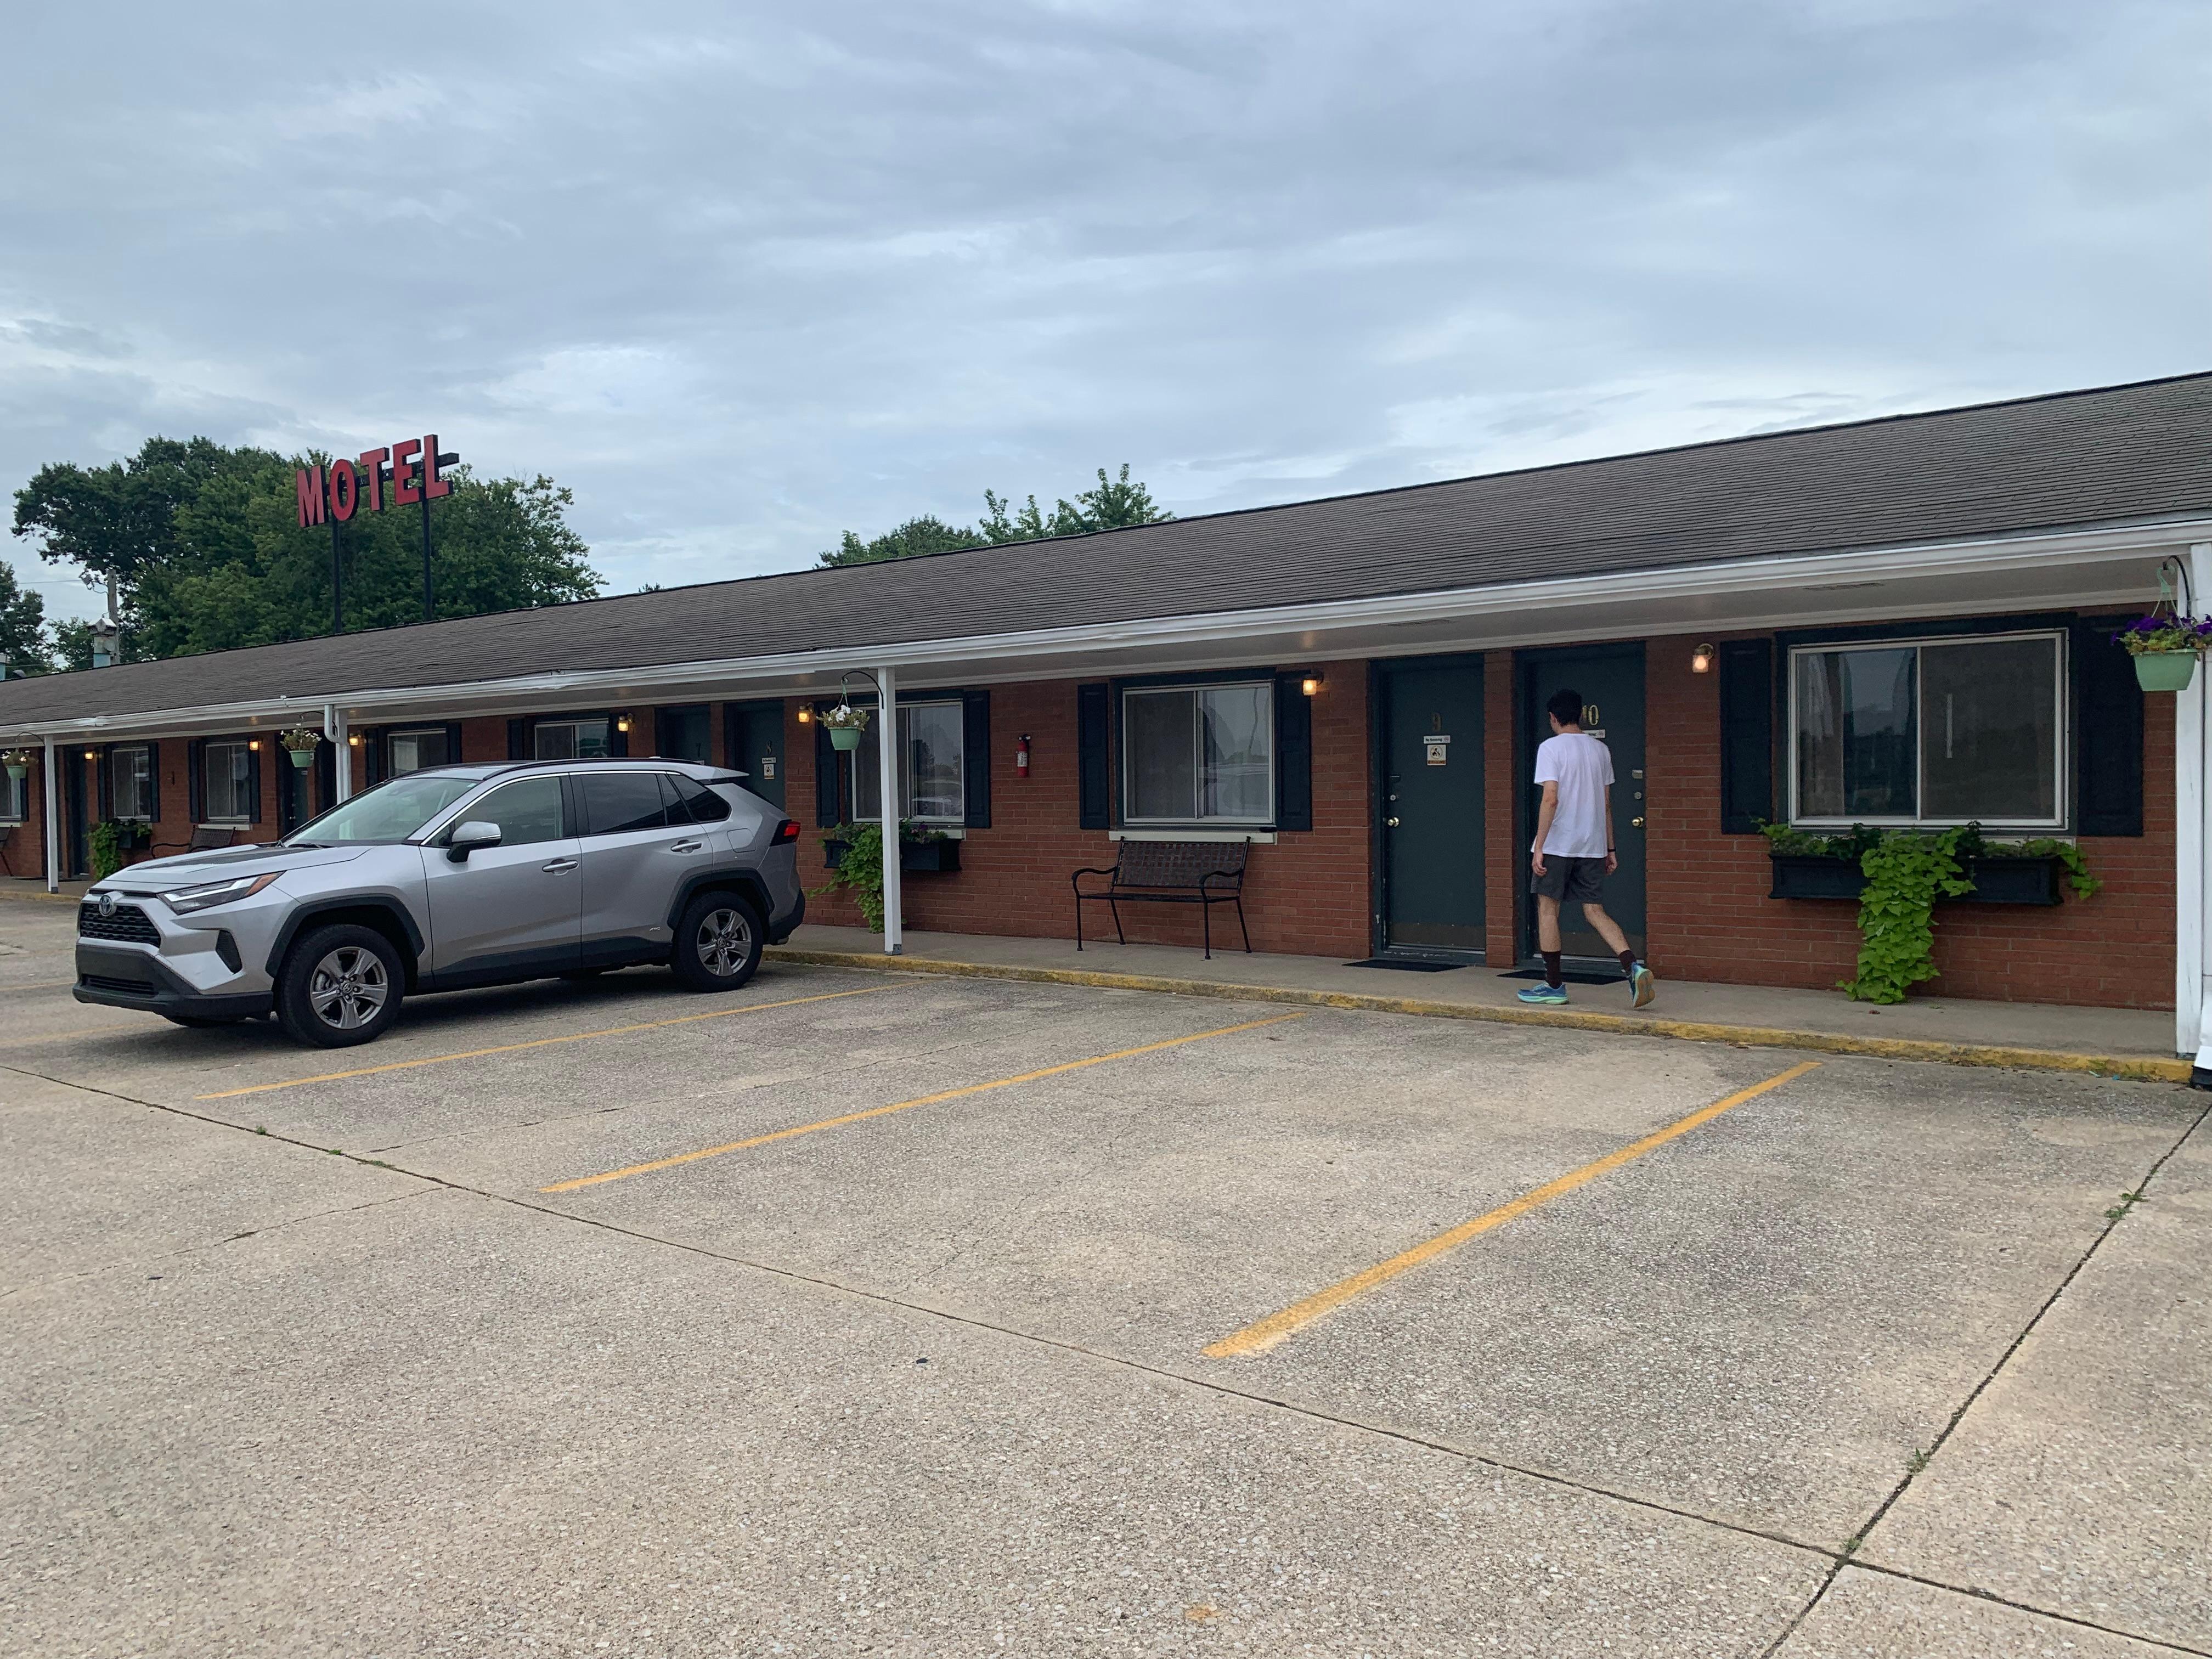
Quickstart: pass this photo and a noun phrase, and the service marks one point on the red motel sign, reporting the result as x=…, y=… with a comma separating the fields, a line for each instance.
x=409, y=468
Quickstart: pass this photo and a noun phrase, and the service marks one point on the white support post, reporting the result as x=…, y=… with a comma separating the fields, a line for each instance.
x=334, y=728
x=887, y=769
x=2192, y=801
x=49, y=809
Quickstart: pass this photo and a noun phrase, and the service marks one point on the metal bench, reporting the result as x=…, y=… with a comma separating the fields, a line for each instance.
x=206, y=838
x=1201, y=872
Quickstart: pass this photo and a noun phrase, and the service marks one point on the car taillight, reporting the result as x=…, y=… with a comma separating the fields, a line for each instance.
x=786, y=832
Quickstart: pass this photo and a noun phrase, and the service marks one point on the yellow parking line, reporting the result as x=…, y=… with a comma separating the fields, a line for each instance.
x=1277, y=1328
x=904, y=1106
x=540, y=1043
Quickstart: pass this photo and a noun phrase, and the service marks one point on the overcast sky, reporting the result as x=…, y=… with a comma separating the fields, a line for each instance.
x=743, y=277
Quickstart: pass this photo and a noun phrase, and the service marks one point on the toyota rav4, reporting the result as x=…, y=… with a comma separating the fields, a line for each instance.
x=452, y=876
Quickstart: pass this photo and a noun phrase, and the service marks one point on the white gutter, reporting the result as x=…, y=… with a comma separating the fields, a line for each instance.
x=1791, y=574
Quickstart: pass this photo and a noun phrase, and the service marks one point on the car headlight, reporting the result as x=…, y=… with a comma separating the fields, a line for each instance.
x=185, y=900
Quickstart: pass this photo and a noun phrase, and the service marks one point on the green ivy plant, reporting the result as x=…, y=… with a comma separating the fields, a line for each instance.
x=105, y=846
x=1905, y=871
x=860, y=868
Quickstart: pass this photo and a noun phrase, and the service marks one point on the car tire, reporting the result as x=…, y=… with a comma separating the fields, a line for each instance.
x=718, y=942
x=340, y=985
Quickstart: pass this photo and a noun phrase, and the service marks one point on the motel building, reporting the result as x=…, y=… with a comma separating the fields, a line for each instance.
x=1904, y=622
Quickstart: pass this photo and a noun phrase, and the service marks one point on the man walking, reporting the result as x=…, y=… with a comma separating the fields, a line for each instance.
x=1573, y=852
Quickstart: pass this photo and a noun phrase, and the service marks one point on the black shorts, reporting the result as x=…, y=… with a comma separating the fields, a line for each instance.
x=1575, y=880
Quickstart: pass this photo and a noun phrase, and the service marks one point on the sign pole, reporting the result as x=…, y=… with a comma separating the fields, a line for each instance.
x=429, y=599
x=337, y=581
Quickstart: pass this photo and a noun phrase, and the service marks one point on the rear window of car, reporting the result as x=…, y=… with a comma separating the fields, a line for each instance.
x=694, y=802
x=617, y=802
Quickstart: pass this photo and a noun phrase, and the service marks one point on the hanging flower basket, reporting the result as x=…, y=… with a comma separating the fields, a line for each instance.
x=2166, y=649
x=844, y=724
x=18, y=763
x=300, y=742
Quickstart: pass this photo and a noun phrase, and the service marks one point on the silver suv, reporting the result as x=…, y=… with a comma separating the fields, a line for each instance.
x=452, y=876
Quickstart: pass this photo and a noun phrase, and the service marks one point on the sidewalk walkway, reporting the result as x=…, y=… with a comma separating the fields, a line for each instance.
x=2117, y=1041
x=71, y=891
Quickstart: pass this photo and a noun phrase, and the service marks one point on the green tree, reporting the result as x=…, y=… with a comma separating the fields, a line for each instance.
x=22, y=626
x=916, y=536
x=1114, y=503
x=207, y=553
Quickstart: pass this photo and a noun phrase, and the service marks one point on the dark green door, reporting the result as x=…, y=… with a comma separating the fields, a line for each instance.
x=753, y=734
x=1610, y=680
x=1432, y=733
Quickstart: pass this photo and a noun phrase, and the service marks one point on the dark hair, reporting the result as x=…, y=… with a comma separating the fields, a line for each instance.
x=1565, y=707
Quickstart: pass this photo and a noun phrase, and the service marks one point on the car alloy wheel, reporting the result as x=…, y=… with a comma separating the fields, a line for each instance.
x=725, y=942
x=348, y=988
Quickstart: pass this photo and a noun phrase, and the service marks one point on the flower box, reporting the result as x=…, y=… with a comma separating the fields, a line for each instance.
x=915, y=857
x=1997, y=881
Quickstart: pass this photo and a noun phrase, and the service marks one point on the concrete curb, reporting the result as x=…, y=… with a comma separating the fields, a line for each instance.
x=2137, y=1066
x=43, y=898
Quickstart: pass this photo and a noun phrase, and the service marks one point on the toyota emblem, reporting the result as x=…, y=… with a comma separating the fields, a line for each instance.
x=107, y=904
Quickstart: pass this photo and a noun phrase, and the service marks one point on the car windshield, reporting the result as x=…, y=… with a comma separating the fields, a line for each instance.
x=390, y=811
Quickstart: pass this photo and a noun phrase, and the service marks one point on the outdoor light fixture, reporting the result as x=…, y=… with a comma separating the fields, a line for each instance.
x=1701, y=659
x=806, y=714
x=1310, y=685
x=622, y=722
x=92, y=753
x=353, y=740
x=253, y=743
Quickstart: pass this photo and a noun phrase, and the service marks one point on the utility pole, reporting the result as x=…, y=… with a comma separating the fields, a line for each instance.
x=337, y=581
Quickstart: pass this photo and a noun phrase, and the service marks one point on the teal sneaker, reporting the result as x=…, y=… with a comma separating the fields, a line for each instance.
x=1646, y=982
x=1550, y=996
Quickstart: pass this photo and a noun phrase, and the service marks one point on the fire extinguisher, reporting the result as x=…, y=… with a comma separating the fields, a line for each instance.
x=1022, y=758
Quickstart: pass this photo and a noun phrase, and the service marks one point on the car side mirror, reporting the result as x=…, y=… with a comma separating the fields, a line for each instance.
x=471, y=838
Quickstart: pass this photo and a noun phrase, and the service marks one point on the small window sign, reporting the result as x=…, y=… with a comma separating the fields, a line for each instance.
x=768, y=766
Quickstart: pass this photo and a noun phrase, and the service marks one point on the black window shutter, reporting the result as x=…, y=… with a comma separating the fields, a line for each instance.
x=1746, y=735
x=103, y=784
x=154, y=782
x=517, y=737
x=826, y=803
x=196, y=778
x=1094, y=793
x=975, y=755
x=372, y=756
x=1293, y=754
x=617, y=739
x=254, y=780
x=2108, y=738
x=326, y=774
x=452, y=742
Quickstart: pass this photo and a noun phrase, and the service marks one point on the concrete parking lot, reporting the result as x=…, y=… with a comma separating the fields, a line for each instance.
x=859, y=1312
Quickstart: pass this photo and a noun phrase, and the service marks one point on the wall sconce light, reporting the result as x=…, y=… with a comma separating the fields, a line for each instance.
x=1310, y=685
x=622, y=722
x=805, y=714
x=1701, y=659
x=92, y=753
x=253, y=743
x=353, y=739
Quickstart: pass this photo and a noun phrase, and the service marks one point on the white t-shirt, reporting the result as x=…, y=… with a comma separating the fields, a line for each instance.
x=1581, y=767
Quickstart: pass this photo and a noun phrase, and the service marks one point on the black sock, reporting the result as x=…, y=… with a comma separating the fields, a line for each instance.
x=1551, y=969
x=1627, y=961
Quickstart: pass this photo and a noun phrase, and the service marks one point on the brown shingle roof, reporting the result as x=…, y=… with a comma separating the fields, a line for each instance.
x=2110, y=455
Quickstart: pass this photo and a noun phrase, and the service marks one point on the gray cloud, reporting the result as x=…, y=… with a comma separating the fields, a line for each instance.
x=746, y=279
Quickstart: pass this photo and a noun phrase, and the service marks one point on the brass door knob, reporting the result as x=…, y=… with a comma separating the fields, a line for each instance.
x=1391, y=823
x=1636, y=823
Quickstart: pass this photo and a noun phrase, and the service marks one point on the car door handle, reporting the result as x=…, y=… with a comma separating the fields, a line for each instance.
x=687, y=846
x=559, y=866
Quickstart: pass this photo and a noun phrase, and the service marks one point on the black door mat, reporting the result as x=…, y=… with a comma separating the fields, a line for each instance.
x=1572, y=977
x=1407, y=964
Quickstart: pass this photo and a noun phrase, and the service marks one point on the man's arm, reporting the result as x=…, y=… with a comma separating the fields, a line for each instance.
x=1612, y=858
x=1544, y=816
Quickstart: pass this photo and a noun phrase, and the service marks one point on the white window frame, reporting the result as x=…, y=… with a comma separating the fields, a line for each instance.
x=606, y=720
x=2061, y=771
x=114, y=754
x=207, y=778
x=869, y=768
x=1265, y=685
x=14, y=799
x=391, y=754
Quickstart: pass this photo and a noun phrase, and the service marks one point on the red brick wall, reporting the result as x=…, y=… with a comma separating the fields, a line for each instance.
x=1310, y=894
x=1710, y=919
